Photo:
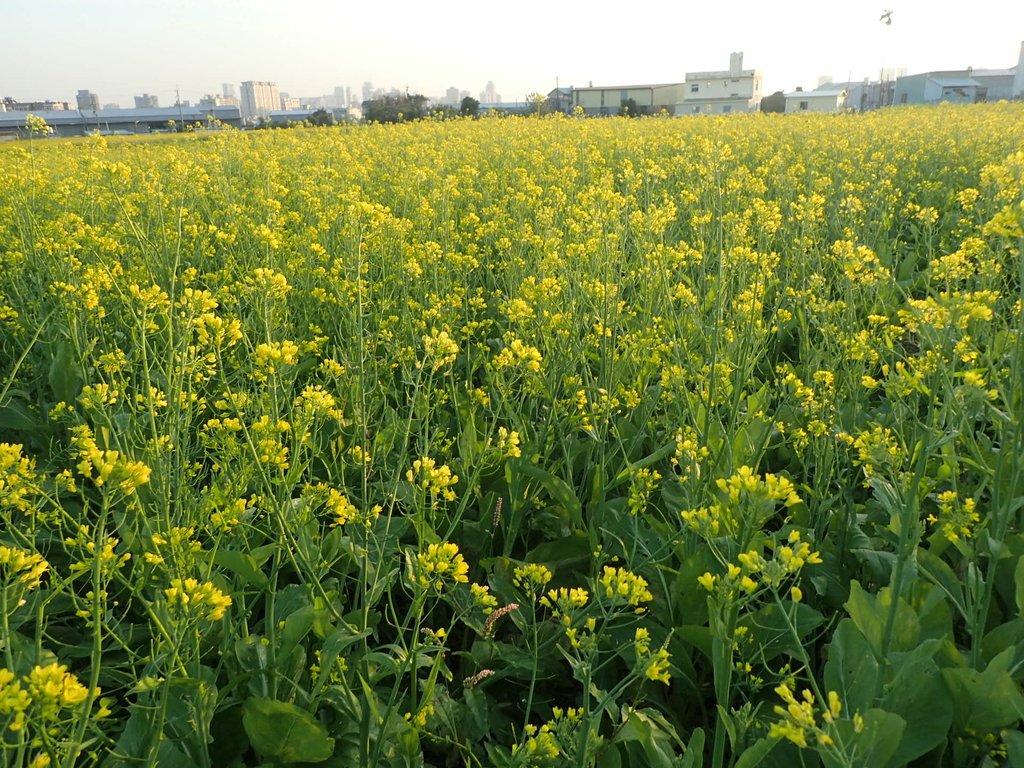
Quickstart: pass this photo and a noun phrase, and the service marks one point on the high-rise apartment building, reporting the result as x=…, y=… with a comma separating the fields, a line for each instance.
x=87, y=100
x=490, y=95
x=147, y=100
x=228, y=90
x=259, y=99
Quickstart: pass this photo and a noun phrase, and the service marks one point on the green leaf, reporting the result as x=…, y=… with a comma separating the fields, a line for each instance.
x=243, y=565
x=875, y=744
x=557, y=488
x=17, y=417
x=871, y=612
x=989, y=700
x=770, y=628
x=64, y=378
x=285, y=732
x=851, y=670
x=754, y=754
x=1018, y=583
x=694, y=756
x=918, y=695
x=655, y=736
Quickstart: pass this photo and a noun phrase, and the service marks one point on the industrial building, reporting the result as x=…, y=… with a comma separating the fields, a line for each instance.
x=73, y=122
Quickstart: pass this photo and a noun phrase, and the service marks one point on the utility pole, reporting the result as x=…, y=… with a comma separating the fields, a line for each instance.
x=181, y=116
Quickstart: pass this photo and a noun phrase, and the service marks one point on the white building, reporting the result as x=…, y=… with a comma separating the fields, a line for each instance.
x=722, y=92
x=490, y=95
x=259, y=99
x=1018, y=78
x=823, y=100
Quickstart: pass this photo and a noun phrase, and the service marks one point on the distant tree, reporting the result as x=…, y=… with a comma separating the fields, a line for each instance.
x=470, y=107
x=537, y=104
x=774, y=103
x=443, y=112
x=395, y=109
x=629, y=109
x=321, y=117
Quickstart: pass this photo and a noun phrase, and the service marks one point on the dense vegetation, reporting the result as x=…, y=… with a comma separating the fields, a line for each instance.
x=516, y=442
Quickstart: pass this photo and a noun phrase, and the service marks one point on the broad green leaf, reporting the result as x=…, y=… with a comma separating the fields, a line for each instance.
x=875, y=744
x=285, y=732
x=1018, y=583
x=769, y=628
x=754, y=754
x=989, y=700
x=64, y=379
x=243, y=565
x=918, y=695
x=871, y=613
x=558, y=488
x=851, y=670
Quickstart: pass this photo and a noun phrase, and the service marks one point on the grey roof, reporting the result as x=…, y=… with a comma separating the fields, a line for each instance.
x=121, y=116
x=956, y=82
x=835, y=93
x=287, y=114
x=627, y=87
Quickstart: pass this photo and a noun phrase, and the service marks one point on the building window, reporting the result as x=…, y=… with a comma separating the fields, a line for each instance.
x=696, y=110
x=803, y=106
x=694, y=88
x=726, y=109
x=903, y=98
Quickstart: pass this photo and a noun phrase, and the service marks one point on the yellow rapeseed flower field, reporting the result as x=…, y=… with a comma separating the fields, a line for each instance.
x=547, y=441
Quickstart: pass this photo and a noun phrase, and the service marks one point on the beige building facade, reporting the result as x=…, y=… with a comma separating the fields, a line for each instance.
x=259, y=99
x=722, y=92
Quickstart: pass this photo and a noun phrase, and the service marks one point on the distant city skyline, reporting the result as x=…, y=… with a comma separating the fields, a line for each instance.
x=123, y=49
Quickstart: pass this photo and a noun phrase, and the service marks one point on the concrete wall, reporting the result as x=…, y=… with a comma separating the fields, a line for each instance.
x=816, y=102
x=910, y=89
x=1018, y=80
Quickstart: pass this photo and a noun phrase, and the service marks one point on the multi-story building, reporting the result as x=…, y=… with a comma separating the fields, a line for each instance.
x=7, y=104
x=211, y=100
x=722, y=92
x=88, y=101
x=259, y=99
x=147, y=101
x=451, y=96
x=490, y=95
x=227, y=90
x=289, y=102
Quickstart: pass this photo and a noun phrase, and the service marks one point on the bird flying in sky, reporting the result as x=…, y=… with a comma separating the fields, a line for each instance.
x=887, y=18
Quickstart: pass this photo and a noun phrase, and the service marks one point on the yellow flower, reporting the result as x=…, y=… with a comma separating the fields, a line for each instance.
x=53, y=688
x=438, y=481
x=440, y=565
x=620, y=585
x=191, y=599
x=531, y=578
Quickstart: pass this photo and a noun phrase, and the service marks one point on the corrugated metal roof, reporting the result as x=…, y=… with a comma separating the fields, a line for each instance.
x=956, y=82
x=628, y=87
x=142, y=115
x=824, y=93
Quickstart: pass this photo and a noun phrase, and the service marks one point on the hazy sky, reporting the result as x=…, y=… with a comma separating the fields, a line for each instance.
x=119, y=48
